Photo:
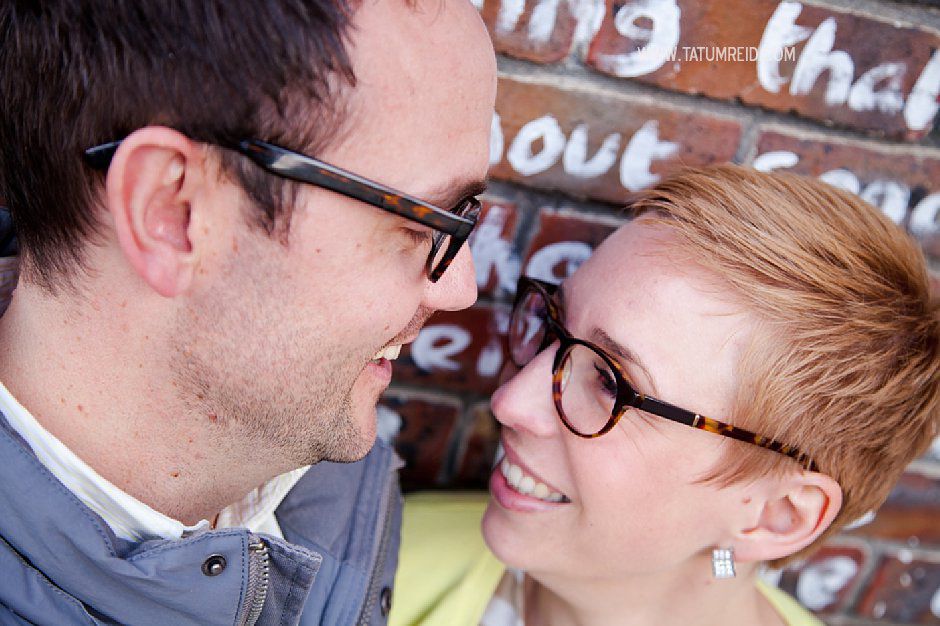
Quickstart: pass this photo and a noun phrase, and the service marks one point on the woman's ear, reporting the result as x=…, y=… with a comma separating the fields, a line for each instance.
x=794, y=511
x=149, y=190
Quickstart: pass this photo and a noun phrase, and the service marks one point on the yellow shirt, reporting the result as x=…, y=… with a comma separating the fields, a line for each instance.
x=447, y=576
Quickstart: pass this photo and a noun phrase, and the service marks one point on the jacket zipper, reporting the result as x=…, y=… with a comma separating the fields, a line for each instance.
x=376, y=578
x=258, y=578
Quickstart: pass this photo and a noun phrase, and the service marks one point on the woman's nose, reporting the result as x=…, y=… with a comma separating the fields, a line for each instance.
x=524, y=401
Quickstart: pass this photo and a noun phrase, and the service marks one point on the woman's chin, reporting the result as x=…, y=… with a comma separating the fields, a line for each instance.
x=501, y=538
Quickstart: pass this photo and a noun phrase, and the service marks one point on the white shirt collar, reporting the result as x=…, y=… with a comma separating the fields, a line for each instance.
x=127, y=516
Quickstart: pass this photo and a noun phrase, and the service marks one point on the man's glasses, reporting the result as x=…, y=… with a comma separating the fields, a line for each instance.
x=590, y=388
x=452, y=227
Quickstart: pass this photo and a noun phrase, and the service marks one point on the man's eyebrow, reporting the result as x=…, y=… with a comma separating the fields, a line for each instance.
x=624, y=353
x=447, y=196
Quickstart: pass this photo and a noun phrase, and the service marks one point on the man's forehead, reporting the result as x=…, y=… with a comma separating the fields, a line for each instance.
x=436, y=50
x=419, y=115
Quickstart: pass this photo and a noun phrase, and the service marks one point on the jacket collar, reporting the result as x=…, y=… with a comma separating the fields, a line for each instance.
x=55, y=534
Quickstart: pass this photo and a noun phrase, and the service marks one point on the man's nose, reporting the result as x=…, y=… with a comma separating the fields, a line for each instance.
x=457, y=288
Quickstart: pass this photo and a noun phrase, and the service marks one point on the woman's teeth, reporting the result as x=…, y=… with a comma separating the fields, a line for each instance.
x=391, y=353
x=527, y=485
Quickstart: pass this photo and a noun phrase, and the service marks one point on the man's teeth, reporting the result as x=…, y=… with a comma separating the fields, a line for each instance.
x=391, y=353
x=527, y=485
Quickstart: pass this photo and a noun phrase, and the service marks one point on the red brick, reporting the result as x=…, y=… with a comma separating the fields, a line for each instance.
x=826, y=582
x=903, y=591
x=478, y=452
x=563, y=241
x=457, y=350
x=547, y=135
x=425, y=425
x=903, y=181
x=545, y=39
x=861, y=44
x=911, y=512
x=493, y=247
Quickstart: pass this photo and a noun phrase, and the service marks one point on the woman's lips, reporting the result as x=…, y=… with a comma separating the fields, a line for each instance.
x=517, y=487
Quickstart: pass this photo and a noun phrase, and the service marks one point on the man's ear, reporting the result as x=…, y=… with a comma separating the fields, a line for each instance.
x=792, y=514
x=149, y=191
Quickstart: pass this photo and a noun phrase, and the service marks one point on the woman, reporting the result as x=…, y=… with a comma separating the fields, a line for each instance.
x=794, y=316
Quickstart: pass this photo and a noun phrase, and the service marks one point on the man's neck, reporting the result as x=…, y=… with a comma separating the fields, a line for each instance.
x=103, y=389
x=686, y=595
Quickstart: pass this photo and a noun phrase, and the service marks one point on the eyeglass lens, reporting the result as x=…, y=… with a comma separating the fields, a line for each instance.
x=528, y=327
x=588, y=390
x=586, y=381
x=442, y=242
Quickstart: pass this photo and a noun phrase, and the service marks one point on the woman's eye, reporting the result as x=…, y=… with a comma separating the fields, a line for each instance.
x=606, y=380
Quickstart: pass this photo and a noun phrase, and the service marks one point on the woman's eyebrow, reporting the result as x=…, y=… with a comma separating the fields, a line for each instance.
x=624, y=353
x=600, y=337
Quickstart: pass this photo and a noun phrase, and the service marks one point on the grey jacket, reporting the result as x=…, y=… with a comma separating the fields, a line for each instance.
x=61, y=564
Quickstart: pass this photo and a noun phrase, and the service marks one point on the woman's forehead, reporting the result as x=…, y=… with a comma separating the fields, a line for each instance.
x=684, y=325
x=644, y=261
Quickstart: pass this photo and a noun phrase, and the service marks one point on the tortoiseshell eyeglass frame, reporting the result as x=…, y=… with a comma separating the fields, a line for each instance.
x=627, y=396
x=457, y=222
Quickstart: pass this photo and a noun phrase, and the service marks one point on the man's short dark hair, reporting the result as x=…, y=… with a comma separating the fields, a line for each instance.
x=78, y=73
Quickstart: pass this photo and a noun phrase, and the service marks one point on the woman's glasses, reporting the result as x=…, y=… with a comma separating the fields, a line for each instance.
x=590, y=388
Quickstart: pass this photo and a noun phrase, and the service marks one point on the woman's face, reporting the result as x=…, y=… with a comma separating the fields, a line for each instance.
x=631, y=501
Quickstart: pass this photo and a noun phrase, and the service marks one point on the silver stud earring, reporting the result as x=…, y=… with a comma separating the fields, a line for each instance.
x=723, y=563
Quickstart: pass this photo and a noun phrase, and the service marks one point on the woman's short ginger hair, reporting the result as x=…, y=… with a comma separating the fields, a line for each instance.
x=846, y=362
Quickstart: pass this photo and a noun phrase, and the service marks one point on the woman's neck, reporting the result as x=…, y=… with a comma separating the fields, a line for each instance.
x=668, y=597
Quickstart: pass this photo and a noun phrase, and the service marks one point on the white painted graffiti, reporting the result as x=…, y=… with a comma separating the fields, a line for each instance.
x=496, y=140
x=566, y=255
x=491, y=356
x=878, y=88
x=655, y=27
x=636, y=162
x=493, y=255
x=388, y=423
x=438, y=345
x=545, y=130
x=589, y=15
x=820, y=583
x=657, y=41
x=891, y=196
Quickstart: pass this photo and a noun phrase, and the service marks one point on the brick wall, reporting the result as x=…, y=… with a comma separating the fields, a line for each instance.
x=599, y=98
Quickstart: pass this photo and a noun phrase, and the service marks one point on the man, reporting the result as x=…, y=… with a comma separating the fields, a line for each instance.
x=203, y=309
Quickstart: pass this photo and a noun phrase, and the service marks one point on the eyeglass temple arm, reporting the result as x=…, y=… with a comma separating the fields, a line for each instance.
x=674, y=413
x=664, y=409
x=306, y=169
x=290, y=165
x=99, y=157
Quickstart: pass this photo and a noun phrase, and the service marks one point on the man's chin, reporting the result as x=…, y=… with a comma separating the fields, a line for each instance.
x=361, y=436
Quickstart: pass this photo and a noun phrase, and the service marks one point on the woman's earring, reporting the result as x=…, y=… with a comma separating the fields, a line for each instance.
x=723, y=563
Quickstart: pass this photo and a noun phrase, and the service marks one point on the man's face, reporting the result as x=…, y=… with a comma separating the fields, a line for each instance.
x=281, y=349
